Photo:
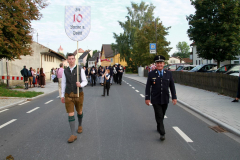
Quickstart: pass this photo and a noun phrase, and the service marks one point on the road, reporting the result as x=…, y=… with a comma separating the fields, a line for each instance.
x=119, y=126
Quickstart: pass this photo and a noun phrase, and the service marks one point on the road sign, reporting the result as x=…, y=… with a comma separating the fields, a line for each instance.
x=152, y=47
x=77, y=22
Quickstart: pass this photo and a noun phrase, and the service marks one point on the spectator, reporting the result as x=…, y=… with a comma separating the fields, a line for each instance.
x=42, y=78
x=30, y=76
x=59, y=76
x=238, y=91
x=24, y=73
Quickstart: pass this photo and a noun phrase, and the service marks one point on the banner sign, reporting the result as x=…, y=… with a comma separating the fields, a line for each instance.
x=77, y=22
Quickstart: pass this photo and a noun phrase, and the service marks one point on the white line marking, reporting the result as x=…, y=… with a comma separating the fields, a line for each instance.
x=3, y=110
x=24, y=103
x=5, y=124
x=136, y=90
x=181, y=133
x=48, y=101
x=130, y=85
x=57, y=97
x=127, y=83
x=142, y=95
x=165, y=116
x=133, y=88
x=33, y=110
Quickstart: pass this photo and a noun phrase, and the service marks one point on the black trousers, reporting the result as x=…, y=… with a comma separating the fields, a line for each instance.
x=115, y=78
x=93, y=77
x=160, y=110
x=120, y=78
x=106, y=86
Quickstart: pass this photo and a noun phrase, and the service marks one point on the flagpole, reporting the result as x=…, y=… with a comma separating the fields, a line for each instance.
x=77, y=72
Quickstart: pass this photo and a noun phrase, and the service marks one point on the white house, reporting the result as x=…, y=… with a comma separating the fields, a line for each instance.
x=93, y=60
x=42, y=57
x=197, y=61
x=173, y=60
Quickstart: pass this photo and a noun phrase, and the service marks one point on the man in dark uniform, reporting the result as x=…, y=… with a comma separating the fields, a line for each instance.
x=93, y=74
x=160, y=80
x=24, y=73
x=120, y=73
x=115, y=73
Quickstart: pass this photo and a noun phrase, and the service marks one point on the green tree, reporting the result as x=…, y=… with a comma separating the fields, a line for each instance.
x=215, y=29
x=182, y=51
x=15, y=26
x=89, y=56
x=137, y=17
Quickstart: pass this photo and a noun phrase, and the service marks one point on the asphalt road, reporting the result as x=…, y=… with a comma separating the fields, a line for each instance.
x=119, y=126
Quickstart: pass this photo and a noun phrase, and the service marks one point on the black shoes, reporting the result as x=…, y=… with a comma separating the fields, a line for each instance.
x=162, y=137
x=235, y=100
x=103, y=95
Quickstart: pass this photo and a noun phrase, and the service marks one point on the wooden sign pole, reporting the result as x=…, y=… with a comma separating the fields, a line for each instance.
x=77, y=71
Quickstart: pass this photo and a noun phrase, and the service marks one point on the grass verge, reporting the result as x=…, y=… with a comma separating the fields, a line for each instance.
x=4, y=92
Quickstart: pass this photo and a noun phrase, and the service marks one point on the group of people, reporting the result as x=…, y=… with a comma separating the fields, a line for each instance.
x=33, y=78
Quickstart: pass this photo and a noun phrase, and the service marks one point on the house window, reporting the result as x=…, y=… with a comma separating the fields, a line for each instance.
x=196, y=62
x=199, y=62
x=44, y=57
x=53, y=59
x=111, y=59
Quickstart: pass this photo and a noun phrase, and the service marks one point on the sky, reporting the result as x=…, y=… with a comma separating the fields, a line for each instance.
x=105, y=15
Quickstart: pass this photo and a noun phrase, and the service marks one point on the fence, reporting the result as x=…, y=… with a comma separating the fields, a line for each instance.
x=220, y=83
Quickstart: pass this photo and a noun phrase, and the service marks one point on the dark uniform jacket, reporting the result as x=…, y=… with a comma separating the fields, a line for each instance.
x=93, y=73
x=160, y=87
x=120, y=70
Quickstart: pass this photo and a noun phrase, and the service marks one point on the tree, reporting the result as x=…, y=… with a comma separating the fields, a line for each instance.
x=183, y=51
x=138, y=16
x=95, y=51
x=215, y=29
x=89, y=56
x=15, y=26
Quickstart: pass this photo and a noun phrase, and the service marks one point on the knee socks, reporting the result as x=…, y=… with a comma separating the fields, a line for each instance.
x=80, y=119
x=71, y=120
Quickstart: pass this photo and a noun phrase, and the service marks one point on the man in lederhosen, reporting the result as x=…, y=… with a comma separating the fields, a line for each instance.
x=160, y=80
x=69, y=94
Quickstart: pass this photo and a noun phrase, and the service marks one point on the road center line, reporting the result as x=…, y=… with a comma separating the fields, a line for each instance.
x=142, y=95
x=33, y=110
x=127, y=83
x=130, y=85
x=133, y=88
x=23, y=103
x=182, y=134
x=48, y=101
x=7, y=123
x=3, y=110
x=136, y=90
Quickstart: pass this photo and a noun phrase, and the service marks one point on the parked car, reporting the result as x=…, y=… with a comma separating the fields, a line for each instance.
x=204, y=68
x=234, y=71
x=173, y=67
x=185, y=68
x=225, y=68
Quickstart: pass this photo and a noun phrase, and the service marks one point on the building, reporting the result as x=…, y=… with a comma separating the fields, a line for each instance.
x=93, y=60
x=83, y=58
x=197, y=60
x=60, y=50
x=173, y=60
x=109, y=57
x=77, y=55
x=42, y=57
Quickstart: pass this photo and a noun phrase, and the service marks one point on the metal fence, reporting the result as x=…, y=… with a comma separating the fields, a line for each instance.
x=221, y=83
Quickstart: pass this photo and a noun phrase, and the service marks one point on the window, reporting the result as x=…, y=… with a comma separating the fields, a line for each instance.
x=199, y=62
x=44, y=57
x=111, y=59
x=196, y=62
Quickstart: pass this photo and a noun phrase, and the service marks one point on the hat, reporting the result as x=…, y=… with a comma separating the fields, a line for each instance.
x=159, y=58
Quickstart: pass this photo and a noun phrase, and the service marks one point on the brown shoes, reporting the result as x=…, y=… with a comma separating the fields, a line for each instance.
x=79, y=129
x=72, y=138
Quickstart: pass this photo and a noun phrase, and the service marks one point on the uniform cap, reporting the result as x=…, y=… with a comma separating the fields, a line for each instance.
x=159, y=58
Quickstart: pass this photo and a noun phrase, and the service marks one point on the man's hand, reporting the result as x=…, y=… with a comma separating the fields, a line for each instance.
x=78, y=84
x=147, y=102
x=63, y=100
x=174, y=101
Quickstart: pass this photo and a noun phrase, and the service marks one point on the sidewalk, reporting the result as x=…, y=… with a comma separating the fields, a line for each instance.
x=6, y=102
x=211, y=105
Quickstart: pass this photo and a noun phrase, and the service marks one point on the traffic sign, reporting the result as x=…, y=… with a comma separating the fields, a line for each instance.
x=152, y=47
x=153, y=51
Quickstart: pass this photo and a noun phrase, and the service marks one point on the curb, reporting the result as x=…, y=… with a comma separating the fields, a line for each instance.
x=218, y=122
x=11, y=105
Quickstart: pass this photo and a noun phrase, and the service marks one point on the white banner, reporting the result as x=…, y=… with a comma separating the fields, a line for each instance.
x=77, y=22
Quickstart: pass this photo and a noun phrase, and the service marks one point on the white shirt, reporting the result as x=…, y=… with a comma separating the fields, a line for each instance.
x=83, y=77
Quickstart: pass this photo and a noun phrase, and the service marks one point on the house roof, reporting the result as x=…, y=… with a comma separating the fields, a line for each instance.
x=94, y=57
x=187, y=60
x=84, y=55
x=107, y=50
x=192, y=44
x=60, y=48
x=80, y=50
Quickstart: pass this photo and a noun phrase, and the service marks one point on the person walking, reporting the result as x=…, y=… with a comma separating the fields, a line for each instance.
x=69, y=94
x=86, y=72
x=38, y=77
x=160, y=81
x=115, y=73
x=24, y=73
x=59, y=76
x=30, y=76
x=93, y=74
x=120, y=73
x=106, y=85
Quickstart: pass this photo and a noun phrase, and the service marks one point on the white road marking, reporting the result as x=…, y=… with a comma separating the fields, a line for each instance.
x=3, y=110
x=136, y=90
x=142, y=95
x=57, y=97
x=130, y=85
x=133, y=88
x=23, y=103
x=5, y=124
x=127, y=83
x=182, y=134
x=33, y=110
x=48, y=101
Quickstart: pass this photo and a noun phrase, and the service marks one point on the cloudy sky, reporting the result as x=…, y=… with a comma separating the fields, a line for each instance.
x=105, y=15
